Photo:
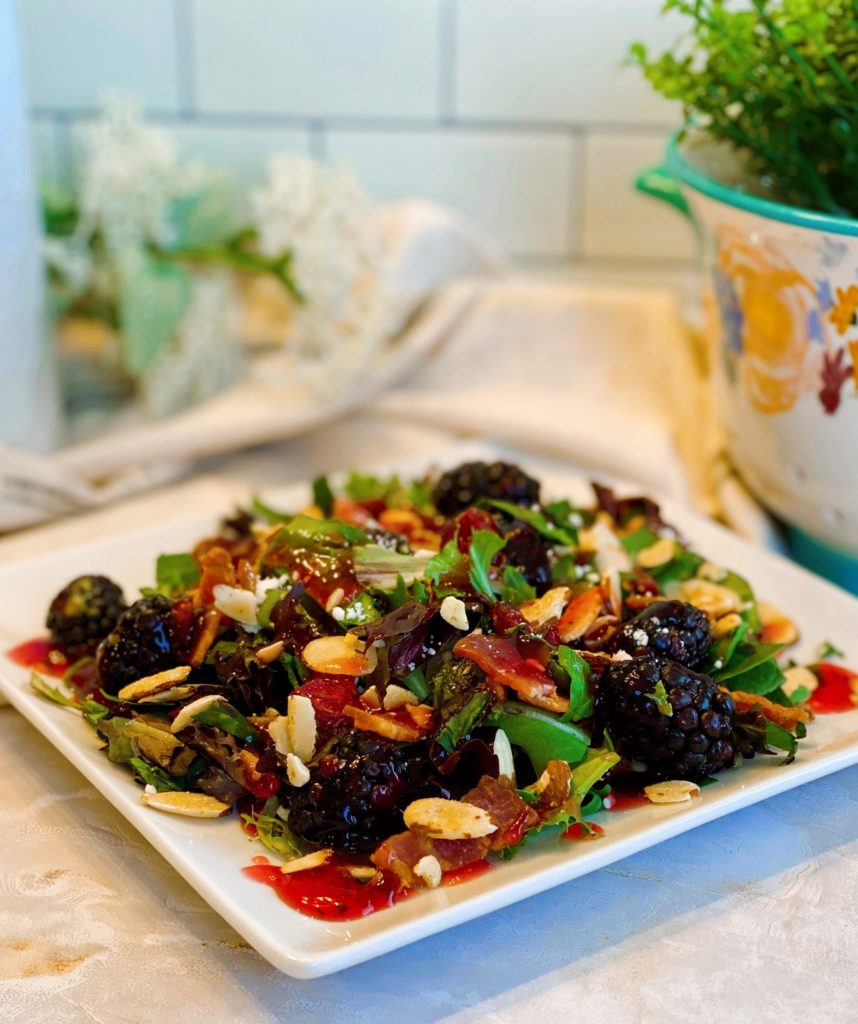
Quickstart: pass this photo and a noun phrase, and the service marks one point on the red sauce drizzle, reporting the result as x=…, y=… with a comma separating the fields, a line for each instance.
x=41, y=655
x=329, y=892
x=834, y=692
x=577, y=831
x=466, y=872
x=626, y=792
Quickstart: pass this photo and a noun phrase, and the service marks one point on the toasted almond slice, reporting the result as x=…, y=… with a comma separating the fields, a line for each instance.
x=778, y=628
x=278, y=730
x=335, y=599
x=709, y=597
x=542, y=609
x=297, y=772
x=659, y=553
x=205, y=636
x=187, y=714
x=453, y=611
x=311, y=860
x=397, y=697
x=610, y=554
x=382, y=726
x=428, y=870
x=676, y=791
x=799, y=677
x=189, y=805
x=727, y=624
x=362, y=872
x=155, y=685
x=581, y=612
x=420, y=714
x=337, y=656
x=370, y=698
x=271, y=652
x=448, y=819
x=301, y=726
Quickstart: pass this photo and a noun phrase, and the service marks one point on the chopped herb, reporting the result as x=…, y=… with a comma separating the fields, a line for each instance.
x=828, y=650
x=659, y=695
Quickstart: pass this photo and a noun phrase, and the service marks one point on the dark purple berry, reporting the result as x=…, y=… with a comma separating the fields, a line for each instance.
x=469, y=483
x=143, y=642
x=670, y=629
x=83, y=613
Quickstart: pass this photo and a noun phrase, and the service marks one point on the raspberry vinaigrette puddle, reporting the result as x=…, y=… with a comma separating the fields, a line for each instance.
x=404, y=684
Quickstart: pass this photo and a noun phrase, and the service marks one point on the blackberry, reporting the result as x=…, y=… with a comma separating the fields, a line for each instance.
x=670, y=629
x=83, y=613
x=466, y=484
x=141, y=644
x=357, y=792
x=675, y=722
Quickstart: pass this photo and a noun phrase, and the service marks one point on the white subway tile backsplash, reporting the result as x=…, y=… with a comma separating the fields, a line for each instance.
x=318, y=58
x=245, y=151
x=619, y=221
x=76, y=51
x=517, y=186
x=558, y=60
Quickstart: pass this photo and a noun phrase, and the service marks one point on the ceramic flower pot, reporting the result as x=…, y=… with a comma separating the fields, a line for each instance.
x=782, y=288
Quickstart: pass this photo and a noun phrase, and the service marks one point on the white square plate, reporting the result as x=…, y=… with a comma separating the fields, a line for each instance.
x=210, y=854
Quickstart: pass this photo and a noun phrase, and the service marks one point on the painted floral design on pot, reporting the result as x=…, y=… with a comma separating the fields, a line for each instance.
x=766, y=309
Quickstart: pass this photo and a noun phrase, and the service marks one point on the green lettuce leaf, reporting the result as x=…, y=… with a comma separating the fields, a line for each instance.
x=484, y=545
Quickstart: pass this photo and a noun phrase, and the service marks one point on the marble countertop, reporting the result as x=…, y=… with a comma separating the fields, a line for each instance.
x=750, y=918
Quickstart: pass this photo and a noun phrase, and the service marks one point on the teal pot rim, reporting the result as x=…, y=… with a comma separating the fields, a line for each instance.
x=680, y=169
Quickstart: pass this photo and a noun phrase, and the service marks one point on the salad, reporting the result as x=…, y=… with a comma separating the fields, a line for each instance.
x=404, y=682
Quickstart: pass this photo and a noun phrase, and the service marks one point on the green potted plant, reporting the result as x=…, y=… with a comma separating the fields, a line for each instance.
x=766, y=167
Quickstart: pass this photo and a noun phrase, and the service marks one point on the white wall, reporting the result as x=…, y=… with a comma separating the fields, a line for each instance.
x=515, y=111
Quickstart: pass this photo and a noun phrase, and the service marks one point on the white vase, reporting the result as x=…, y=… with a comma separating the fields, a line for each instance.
x=29, y=412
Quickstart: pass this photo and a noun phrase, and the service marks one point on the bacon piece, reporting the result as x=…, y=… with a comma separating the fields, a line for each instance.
x=552, y=788
x=506, y=808
x=400, y=854
x=581, y=612
x=499, y=658
x=786, y=718
x=217, y=567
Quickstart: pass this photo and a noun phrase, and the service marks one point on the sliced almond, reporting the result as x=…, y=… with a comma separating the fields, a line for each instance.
x=311, y=860
x=296, y=771
x=335, y=599
x=382, y=726
x=676, y=791
x=543, y=609
x=726, y=625
x=659, y=553
x=271, y=652
x=581, y=612
x=453, y=611
x=428, y=870
x=155, y=685
x=610, y=555
x=396, y=697
x=301, y=726
x=237, y=604
x=337, y=656
x=448, y=819
x=187, y=714
x=709, y=597
x=420, y=714
x=278, y=730
x=502, y=749
x=778, y=628
x=709, y=571
x=797, y=678
x=189, y=805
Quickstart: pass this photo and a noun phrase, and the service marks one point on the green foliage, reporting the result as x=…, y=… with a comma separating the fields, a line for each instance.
x=484, y=545
x=778, y=80
x=516, y=589
x=177, y=573
x=577, y=671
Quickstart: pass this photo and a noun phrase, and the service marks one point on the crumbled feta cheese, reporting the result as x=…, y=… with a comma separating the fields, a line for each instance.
x=640, y=637
x=338, y=613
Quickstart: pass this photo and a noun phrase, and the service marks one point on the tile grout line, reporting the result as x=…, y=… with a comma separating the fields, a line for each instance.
x=185, y=57
x=447, y=57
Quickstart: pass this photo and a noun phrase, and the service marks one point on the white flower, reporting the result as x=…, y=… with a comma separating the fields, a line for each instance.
x=129, y=178
x=205, y=354
x=71, y=259
x=321, y=216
